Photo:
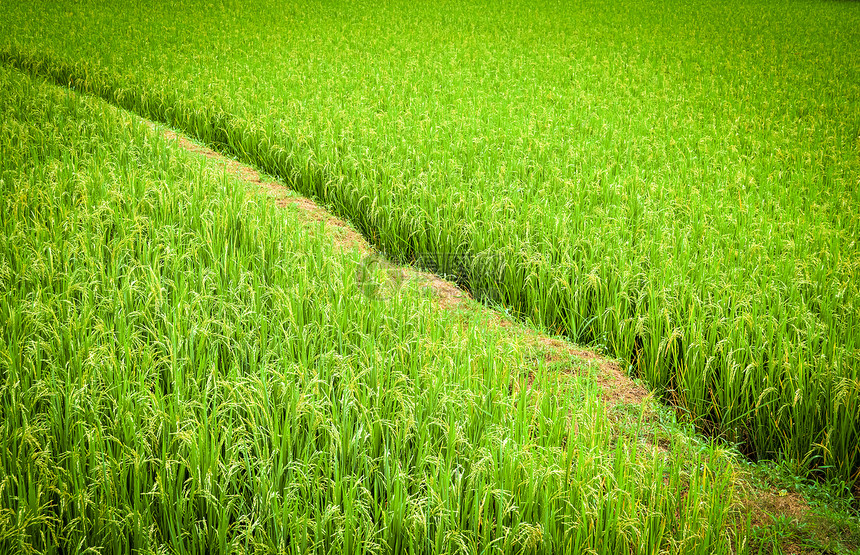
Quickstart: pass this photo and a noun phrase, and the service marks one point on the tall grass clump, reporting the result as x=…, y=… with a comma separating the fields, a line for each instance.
x=674, y=183
x=184, y=369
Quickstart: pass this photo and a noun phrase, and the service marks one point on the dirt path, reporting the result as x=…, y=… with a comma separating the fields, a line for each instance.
x=615, y=385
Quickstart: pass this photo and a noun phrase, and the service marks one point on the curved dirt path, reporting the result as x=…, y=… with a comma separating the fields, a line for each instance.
x=616, y=387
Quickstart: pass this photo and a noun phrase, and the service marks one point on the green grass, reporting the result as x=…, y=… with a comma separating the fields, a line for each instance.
x=675, y=183
x=185, y=368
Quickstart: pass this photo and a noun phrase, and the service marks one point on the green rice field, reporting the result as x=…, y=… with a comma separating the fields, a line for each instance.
x=187, y=368
x=183, y=364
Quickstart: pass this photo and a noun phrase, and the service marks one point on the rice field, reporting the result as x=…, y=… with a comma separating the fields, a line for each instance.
x=187, y=368
x=675, y=184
